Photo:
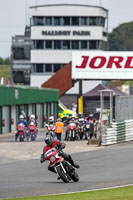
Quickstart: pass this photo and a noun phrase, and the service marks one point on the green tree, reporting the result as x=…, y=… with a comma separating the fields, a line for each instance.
x=121, y=38
x=7, y=61
x=1, y=61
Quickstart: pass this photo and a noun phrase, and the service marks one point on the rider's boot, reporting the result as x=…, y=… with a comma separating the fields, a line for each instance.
x=58, y=178
x=73, y=163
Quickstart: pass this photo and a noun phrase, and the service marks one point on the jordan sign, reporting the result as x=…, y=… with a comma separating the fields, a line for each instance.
x=102, y=65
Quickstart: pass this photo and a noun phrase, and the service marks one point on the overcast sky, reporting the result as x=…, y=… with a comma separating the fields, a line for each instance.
x=14, y=16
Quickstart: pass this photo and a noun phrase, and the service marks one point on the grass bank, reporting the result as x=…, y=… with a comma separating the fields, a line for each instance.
x=125, y=193
x=5, y=72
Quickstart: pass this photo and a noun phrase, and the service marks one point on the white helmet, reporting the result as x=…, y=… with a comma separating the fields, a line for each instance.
x=51, y=118
x=21, y=117
x=32, y=116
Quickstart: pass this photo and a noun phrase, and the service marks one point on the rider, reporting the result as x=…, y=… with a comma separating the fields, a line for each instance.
x=72, y=120
x=22, y=121
x=51, y=143
x=59, y=128
x=91, y=120
x=33, y=119
x=81, y=119
x=51, y=123
x=51, y=120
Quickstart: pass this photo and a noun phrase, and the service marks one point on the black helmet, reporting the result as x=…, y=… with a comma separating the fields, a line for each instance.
x=49, y=140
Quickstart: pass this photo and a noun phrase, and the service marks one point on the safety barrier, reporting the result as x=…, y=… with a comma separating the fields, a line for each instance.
x=118, y=132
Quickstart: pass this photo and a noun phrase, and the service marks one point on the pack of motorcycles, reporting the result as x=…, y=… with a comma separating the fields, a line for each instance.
x=28, y=133
x=78, y=129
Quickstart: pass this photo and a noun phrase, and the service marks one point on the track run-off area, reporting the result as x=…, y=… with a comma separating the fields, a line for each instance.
x=22, y=174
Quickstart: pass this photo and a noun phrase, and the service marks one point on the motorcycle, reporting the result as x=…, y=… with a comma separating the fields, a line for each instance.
x=32, y=131
x=81, y=130
x=71, y=132
x=62, y=167
x=51, y=130
x=21, y=131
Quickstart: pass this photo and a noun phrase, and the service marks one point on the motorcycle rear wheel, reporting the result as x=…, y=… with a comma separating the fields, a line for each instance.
x=63, y=176
x=75, y=177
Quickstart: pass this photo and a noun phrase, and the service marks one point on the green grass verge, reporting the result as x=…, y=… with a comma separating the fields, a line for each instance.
x=5, y=72
x=125, y=193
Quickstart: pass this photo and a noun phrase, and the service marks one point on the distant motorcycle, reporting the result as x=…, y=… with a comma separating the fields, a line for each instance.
x=21, y=132
x=62, y=167
x=51, y=129
x=32, y=131
x=71, y=133
x=81, y=130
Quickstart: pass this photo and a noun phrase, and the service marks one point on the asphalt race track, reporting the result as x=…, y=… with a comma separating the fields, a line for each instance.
x=108, y=167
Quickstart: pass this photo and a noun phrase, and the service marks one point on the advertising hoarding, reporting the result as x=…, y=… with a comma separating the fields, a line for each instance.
x=102, y=65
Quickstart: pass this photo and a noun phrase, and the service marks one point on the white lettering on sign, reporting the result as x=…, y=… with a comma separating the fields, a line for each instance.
x=102, y=65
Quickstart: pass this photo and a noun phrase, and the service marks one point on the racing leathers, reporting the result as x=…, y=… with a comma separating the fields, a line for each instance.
x=21, y=122
x=59, y=146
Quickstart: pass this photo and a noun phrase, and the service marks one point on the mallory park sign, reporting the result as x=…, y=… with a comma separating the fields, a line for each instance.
x=68, y=33
x=102, y=65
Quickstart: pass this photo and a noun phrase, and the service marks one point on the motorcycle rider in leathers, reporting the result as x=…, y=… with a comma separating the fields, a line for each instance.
x=51, y=143
x=22, y=121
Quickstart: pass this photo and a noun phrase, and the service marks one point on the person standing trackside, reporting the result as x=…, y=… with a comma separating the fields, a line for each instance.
x=59, y=128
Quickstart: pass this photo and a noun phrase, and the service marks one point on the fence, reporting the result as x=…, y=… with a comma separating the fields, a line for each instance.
x=123, y=108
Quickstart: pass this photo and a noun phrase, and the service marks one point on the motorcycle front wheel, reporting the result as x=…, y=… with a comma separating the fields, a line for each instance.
x=21, y=138
x=63, y=175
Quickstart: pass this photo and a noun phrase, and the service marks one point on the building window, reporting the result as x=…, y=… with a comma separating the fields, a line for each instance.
x=57, y=44
x=39, y=67
x=93, y=44
x=39, y=44
x=84, y=21
x=62, y=65
x=66, y=44
x=48, y=44
x=33, y=68
x=104, y=34
x=57, y=21
x=48, y=21
x=33, y=20
x=84, y=44
x=75, y=44
x=39, y=21
x=66, y=21
x=48, y=68
x=102, y=21
x=75, y=21
x=93, y=21
x=34, y=44
x=57, y=67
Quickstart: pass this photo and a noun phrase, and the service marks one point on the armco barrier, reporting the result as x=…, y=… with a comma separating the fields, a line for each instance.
x=118, y=132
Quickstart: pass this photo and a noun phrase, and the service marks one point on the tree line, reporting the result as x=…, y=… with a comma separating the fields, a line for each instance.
x=121, y=38
x=5, y=61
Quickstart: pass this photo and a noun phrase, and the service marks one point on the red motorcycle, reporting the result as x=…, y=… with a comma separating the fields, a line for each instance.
x=21, y=131
x=62, y=167
x=32, y=131
x=51, y=129
x=71, y=133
